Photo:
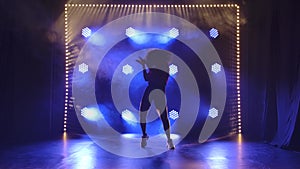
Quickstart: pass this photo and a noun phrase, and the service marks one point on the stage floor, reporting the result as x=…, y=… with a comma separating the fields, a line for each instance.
x=82, y=153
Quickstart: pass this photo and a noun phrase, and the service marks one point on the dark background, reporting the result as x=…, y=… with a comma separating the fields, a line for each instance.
x=32, y=70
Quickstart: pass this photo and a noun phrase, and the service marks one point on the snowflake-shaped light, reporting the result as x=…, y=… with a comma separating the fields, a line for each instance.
x=173, y=114
x=173, y=69
x=214, y=33
x=173, y=33
x=127, y=69
x=90, y=114
x=130, y=32
x=216, y=68
x=83, y=68
x=128, y=115
x=86, y=32
x=213, y=113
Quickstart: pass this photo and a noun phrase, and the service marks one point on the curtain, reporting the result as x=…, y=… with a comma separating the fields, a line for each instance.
x=288, y=77
x=273, y=72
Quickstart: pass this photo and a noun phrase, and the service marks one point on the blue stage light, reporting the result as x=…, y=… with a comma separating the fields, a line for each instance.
x=83, y=68
x=173, y=69
x=162, y=39
x=173, y=33
x=128, y=116
x=216, y=68
x=213, y=112
x=130, y=32
x=141, y=38
x=168, y=36
x=214, y=33
x=173, y=114
x=137, y=36
x=86, y=32
x=91, y=114
x=127, y=69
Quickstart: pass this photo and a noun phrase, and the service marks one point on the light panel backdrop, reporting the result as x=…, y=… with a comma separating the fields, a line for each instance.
x=204, y=38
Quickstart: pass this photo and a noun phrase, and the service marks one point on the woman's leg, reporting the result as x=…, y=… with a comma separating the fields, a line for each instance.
x=160, y=102
x=143, y=116
x=144, y=107
x=166, y=123
x=161, y=106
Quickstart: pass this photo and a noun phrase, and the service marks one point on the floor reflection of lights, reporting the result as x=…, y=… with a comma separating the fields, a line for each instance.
x=130, y=135
x=129, y=145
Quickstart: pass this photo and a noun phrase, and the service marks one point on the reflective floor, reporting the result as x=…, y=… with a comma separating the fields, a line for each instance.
x=83, y=153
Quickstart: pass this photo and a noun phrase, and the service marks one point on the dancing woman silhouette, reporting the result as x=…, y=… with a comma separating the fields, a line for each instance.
x=157, y=76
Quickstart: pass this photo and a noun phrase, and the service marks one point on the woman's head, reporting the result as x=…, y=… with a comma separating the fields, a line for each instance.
x=158, y=58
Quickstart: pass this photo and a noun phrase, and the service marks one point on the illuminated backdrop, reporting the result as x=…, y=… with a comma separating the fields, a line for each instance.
x=218, y=26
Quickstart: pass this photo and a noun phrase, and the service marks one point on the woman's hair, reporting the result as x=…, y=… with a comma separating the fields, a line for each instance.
x=159, y=59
